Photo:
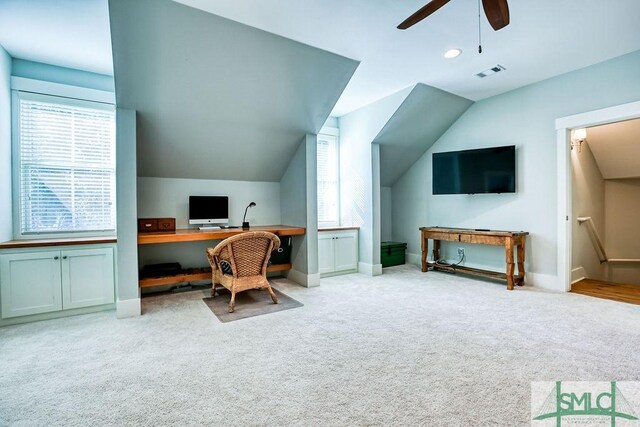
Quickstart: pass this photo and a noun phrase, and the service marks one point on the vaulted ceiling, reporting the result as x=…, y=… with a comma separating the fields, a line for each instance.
x=217, y=99
x=616, y=148
x=422, y=118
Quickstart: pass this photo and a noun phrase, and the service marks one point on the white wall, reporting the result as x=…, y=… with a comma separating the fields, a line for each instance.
x=169, y=197
x=357, y=131
x=588, y=200
x=622, y=224
x=524, y=117
x=6, y=221
x=385, y=214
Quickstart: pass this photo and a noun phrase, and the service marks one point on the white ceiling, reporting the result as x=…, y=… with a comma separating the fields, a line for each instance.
x=545, y=38
x=616, y=148
x=67, y=33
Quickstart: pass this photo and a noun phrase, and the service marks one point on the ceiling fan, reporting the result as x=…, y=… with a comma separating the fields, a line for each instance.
x=497, y=12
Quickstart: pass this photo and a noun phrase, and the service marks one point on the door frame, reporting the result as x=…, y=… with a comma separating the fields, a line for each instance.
x=564, y=125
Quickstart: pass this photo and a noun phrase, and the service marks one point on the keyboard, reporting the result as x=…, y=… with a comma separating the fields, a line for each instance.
x=209, y=227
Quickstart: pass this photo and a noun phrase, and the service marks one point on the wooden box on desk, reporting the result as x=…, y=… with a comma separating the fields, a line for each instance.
x=148, y=225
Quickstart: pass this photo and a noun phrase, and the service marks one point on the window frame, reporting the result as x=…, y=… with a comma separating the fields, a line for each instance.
x=57, y=96
x=335, y=133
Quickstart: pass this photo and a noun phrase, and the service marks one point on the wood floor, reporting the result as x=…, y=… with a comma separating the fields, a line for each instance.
x=608, y=290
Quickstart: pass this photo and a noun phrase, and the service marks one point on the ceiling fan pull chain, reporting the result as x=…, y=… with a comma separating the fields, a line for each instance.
x=479, y=30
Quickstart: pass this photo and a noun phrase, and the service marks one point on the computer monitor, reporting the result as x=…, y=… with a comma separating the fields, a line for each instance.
x=208, y=209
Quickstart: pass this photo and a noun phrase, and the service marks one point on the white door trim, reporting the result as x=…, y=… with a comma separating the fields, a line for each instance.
x=563, y=128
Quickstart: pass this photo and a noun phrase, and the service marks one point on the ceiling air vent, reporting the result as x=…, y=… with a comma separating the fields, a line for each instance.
x=490, y=71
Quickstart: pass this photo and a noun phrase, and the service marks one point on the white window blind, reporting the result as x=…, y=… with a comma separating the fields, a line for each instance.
x=67, y=165
x=328, y=180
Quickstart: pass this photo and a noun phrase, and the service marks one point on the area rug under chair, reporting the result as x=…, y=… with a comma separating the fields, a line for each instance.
x=249, y=303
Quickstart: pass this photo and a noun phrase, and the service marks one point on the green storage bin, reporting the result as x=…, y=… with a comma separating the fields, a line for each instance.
x=392, y=253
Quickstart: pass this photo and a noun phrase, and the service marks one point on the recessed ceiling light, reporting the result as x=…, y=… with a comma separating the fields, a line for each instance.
x=452, y=53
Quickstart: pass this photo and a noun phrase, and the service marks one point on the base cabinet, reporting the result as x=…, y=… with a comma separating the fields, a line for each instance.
x=337, y=252
x=30, y=283
x=47, y=281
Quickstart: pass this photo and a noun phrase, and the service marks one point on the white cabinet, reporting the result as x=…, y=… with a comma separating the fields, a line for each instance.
x=30, y=283
x=337, y=252
x=326, y=253
x=46, y=281
x=87, y=277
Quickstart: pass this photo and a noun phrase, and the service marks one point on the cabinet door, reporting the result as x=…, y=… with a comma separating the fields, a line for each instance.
x=87, y=277
x=30, y=283
x=325, y=253
x=346, y=251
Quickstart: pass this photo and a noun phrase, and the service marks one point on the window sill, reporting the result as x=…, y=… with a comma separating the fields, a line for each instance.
x=63, y=241
x=338, y=228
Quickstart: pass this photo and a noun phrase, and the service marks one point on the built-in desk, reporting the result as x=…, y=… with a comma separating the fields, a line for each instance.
x=194, y=235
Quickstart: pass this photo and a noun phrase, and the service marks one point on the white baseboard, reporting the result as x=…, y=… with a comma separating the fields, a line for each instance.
x=370, y=269
x=415, y=259
x=578, y=274
x=128, y=308
x=306, y=280
x=545, y=281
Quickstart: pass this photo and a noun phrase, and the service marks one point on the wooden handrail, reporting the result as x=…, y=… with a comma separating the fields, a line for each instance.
x=598, y=243
x=595, y=239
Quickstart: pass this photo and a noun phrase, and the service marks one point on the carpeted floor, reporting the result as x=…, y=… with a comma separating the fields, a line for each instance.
x=404, y=348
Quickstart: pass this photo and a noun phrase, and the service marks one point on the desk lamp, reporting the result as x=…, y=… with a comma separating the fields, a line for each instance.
x=245, y=224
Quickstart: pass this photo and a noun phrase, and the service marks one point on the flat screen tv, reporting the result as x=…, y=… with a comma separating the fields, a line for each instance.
x=486, y=170
x=208, y=209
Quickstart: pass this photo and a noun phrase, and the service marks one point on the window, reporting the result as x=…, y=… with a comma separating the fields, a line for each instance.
x=65, y=180
x=328, y=181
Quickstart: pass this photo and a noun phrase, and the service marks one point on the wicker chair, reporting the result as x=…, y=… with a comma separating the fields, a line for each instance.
x=248, y=255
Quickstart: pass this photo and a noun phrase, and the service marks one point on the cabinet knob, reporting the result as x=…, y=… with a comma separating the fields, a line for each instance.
x=56, y=257
x=64, y=257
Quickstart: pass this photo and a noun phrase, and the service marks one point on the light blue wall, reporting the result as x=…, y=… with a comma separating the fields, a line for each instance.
x=55, y=74
x=127, y=212
x=332, y=122
x=357, y=131
x=298, y=201
x=169, y=197
x=6, y=228
x=385, y=214
x=524, y=117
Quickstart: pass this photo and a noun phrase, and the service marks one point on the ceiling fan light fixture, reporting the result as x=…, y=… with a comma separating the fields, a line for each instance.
x=452, y=53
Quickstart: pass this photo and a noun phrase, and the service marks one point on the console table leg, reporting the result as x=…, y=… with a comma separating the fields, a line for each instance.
x=521, y=251
x=510, y=263
x=436, y=250
x=425, y=249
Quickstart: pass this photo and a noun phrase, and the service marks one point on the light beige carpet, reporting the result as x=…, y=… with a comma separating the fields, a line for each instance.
x=405, y=348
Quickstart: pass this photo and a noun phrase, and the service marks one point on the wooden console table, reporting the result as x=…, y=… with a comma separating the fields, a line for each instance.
x=194, y=235
x=508, y=239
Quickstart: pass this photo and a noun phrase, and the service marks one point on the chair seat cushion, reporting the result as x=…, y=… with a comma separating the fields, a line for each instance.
x=225, y=266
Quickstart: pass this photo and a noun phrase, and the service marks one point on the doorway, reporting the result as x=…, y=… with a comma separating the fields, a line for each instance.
x=598, y=254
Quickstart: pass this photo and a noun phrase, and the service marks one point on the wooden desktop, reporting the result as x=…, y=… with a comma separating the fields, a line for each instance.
x=194, y=235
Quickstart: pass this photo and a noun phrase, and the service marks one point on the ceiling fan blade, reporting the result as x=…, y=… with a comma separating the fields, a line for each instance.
x=425, y=11
x=497, y=12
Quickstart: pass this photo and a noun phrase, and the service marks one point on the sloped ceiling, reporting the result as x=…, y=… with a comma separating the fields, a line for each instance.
x=616, y=148
x=217, y=99
x=423, y=117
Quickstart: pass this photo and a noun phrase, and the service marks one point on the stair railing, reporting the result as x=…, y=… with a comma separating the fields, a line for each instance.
x=597, y=243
